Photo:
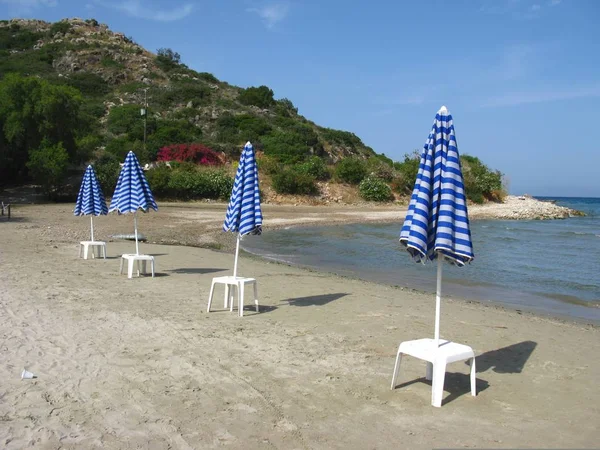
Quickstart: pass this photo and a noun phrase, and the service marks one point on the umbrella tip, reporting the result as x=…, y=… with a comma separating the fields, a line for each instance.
x=248, y=144
x=443, y=111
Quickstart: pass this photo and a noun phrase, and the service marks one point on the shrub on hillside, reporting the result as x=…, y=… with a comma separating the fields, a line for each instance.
x=480, y=182
x=268, y=165
x=126, y=119
x=374, y=189
x=289, y=181
x=380, y=168
x=315, y=167
x=260, y=96
x=407, y=173
x=198, y=184
x=351, y=170
x=167, y=59
x=196, y=153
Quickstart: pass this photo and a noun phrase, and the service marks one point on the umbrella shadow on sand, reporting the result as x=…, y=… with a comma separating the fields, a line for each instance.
x=511, y=359
x=314, y=300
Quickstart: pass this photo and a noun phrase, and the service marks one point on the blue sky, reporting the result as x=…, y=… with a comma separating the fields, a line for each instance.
x=521, y=77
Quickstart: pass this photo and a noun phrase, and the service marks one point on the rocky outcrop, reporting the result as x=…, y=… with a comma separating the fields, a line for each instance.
x=521, y=208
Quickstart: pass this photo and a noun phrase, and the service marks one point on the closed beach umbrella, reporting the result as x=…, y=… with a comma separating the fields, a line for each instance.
x=244, y=215
x=132, y=193
x=90, y=200
x=437, y=221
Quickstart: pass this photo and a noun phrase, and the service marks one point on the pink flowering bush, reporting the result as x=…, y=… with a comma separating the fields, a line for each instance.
x=194, y=153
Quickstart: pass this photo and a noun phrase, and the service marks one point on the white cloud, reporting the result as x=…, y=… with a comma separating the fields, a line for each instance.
x=27, y=6
x=522, y=98
x=139, y=10
x=273, y=13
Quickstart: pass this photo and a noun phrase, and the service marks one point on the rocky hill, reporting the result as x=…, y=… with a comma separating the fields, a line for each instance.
x=112, y=70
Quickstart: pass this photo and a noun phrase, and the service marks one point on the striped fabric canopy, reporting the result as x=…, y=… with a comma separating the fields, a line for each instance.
x=132, y=191
x=437, y=220
x=243, y=212
x=90, y=200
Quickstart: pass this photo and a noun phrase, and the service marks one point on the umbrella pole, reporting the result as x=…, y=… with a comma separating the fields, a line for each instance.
x=438, y=299
x=92, y=225
x=237, y=252
x=137, y=246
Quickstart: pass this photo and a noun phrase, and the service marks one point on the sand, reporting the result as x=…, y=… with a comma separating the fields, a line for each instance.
x=140, y=364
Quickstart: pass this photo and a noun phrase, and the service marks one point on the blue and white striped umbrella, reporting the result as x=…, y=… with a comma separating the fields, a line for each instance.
x=132, y=192
x=244, y=215
x=90, y=200
x=437, y=221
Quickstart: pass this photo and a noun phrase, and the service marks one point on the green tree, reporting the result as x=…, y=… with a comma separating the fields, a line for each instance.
x=48, y=166
x=33, y=110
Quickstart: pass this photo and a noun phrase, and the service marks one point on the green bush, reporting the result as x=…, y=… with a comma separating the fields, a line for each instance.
x=314, y=167
x=126, y=119
x=344, y=138
x=183, y=91
x=268, y=165
x=380, y=168
x=480, y=182
x=241, y=128
x=208, y=77
x=48, y=166
x=107, y=171
x=407, y=171
x=197, y=184
x=167, y=59
x=289, y=181
x=86, y=145
x=63, y=27
x=351, y=170
x=374, y=189
x=293, y=145
x=16, y=38
x=88, y=83
x=158, y=179
x=260, y=96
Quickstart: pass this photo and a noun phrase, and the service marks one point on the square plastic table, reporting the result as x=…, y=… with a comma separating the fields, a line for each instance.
x=233, y=283
x=437, y=358
x=132, y=259
x=84, y=247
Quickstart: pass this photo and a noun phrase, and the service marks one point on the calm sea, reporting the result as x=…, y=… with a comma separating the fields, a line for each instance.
x=551, y=267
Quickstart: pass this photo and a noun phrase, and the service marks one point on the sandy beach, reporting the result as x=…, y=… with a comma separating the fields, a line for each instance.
x=124, y=364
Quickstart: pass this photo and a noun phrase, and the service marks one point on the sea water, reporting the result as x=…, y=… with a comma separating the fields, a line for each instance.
x=550, y=267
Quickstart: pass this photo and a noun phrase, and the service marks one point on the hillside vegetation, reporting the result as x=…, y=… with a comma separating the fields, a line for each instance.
x=74, y=92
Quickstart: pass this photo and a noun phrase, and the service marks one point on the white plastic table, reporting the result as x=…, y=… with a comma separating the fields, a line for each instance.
x=84, y=247
x=437, y=358
x=233, y=283
x=131, y=259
